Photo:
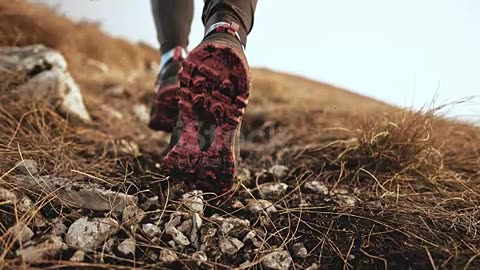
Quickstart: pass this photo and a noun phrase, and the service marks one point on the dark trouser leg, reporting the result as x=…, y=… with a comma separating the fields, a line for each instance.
x=173, y=19
x=238, y=11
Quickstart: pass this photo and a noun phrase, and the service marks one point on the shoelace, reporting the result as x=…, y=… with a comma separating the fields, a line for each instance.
x=225, y=27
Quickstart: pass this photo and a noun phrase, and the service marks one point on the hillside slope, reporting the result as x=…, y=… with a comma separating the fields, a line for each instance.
x=357, y=184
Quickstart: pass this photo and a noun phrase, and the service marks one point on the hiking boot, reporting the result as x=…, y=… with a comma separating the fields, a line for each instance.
x=214, y=90
x=164, y=110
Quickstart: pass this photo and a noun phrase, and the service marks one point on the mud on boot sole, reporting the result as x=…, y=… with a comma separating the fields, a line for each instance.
x=214, y=90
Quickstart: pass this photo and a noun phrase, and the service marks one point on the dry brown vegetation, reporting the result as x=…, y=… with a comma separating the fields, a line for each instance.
x=414, y=177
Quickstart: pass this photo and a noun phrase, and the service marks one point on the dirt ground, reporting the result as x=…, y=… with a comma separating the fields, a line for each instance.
x=395, y=189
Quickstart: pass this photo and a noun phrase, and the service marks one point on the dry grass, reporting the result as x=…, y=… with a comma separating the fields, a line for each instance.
x=414, y=177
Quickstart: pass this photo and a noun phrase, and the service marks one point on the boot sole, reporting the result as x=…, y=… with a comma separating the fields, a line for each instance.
x=164, y=110
x=214, y=90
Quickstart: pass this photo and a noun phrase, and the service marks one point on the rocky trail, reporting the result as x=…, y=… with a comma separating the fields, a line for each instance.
x=328, y=179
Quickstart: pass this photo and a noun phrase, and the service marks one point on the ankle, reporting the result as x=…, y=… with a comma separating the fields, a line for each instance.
x=228, y=26
x=176, y=54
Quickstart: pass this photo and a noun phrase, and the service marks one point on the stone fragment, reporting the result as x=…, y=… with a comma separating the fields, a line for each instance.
x=194, y=201
x=277, y=260
x=152, y=255
x=261, y=205
x=186, y=226
x=40, y=249
x=177, y=236
x=272, y=190
x=279, y=171
x=142, y=113
x=151, y=230
x=27, y=167
x=78, y=256
x=345, y=200
x=244, y=176
x=90, y=234
x=127, y=147
x=230, y=223
x=316, y=187
x=116, y=91
x=132, y=215
x=168, y=256
x=77, y=194
x=21, y=232
x=249, y=236
x=58, y=227
x=200, y=257
x=128, y=246
x=299, y=250
x=149, y=203
x=231, y=245
x=238, y=204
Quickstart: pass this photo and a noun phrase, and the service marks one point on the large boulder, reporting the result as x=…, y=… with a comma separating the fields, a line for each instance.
x=46, y=77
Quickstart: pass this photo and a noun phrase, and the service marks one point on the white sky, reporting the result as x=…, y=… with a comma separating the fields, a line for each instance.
x=401, y=52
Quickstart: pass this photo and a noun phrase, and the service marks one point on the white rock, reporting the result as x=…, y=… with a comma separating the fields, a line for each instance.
x=27, y=167
x=250, y=235
x=51, y=79
x=127, y=147
x=278, y=171
x=277, y=260
x=58, y=227
x=7, y=196
x=200, y=257
x=114, y=113
x=151, y=230
x=316, y=187
x=257, y=243
x=230, y=223
x=21, y=232
x=194, y=201
x=142, y=113
x=108, y=245
x=22, y=202
x=151, y=254
x=299, y=250
x=177, y=236
x=246, y=265
x=44, y=248
x=231, y=245
x=314, y=266
x=78, y=256
x=127, y=246
x=172, y=243
x=238, y=204
x=149, y=203
x=260, y=205
x=197, y=223
x=340, y=191
x=272, y=190
x=77, y=194
x=208, y=235
x=175, y=220
x=244, y=176
x=345, y=200
x=132, y=215
x=168, y=256
x=115, y=91
x=186, y=226
x=89, y=234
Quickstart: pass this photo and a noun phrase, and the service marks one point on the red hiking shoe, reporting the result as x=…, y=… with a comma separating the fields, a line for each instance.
x=164, y=110
x=214, y=90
